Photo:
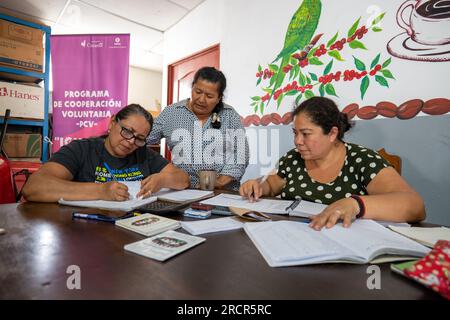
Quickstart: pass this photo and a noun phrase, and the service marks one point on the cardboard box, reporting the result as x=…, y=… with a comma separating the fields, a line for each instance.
x=23, y=145
x=21, y=46
x=25, y=101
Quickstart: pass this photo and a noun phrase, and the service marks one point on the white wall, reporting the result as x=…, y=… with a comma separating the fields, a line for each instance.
x=144, y=88
x=252, y=32
x=201, y=28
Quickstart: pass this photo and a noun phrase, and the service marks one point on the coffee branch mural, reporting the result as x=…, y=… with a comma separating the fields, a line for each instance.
x=309, y=64
x=308, y=51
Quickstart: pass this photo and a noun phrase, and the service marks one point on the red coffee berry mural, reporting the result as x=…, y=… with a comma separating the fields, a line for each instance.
x=310, y=65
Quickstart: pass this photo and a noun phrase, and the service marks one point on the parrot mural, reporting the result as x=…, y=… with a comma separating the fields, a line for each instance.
x=298, y=35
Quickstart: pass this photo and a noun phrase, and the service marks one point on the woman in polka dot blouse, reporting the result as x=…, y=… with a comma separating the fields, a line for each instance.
x=352, y=180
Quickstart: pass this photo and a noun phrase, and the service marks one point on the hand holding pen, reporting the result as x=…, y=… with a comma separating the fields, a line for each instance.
x=114, y=190
x=252, y=189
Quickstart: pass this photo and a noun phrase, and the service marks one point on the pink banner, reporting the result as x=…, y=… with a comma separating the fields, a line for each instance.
x=90, y=84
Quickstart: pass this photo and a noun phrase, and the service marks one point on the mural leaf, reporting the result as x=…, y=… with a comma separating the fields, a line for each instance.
x=359, y=64
x=256, y=108
x=376, y=29
x=364, y=85
x=382, y=81
x=259, y=68
x=273, y=67
x=311, y=53
x=329, y=88
x=328, y=67
x=353, y=28
x=321, y=90
x=387, y=73
x=258, y=81
x=302, y=79
x=280, y=98
x=332, y=40
x=268, y=90
x=291, y=92
x=261, y=107
x=308, y=80
x=309, y=94
x=299, y=97
x=315, y=61
x=386, y=63
x=272, y=81
x=375, y=61
x=256, y=98
x=296, y=71
x=378, y=19
x=355, y=44
x=335, y=54
x=313, y=76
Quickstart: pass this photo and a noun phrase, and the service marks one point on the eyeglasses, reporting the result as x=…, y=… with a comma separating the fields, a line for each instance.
x=128, y=134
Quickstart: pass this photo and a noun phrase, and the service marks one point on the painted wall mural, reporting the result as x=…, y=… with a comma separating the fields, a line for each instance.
x=313, y=63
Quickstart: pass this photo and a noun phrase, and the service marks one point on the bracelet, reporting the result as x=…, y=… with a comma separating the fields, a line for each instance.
x=361, y=205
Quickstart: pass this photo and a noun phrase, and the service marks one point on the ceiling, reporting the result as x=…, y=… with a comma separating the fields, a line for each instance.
x=145, y=20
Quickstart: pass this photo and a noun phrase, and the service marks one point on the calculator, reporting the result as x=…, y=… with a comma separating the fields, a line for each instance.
x=163, y=207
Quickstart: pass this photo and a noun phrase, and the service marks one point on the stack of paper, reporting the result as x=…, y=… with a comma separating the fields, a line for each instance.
x=164, y=245
x=211, y=225
x=148, y=224
x=425, y=236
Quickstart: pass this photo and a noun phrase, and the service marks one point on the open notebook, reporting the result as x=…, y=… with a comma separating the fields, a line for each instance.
x=276, y=206
x=188, y=195
x=291, y=243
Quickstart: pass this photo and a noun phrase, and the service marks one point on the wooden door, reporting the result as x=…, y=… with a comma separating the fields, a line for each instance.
x=181, y=74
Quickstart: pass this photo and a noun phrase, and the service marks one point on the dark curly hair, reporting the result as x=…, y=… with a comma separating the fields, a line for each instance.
x=324, y=113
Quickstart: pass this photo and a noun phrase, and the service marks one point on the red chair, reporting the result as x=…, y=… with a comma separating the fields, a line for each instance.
x=7, y=193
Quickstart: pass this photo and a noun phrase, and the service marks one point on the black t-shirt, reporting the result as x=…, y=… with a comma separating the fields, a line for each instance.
x=85, y=159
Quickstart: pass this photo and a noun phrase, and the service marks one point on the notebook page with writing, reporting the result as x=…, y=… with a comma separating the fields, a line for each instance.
x=307, y=209
x=133, y=187
x=289, y=243
x=369, y=240
x=262, y=205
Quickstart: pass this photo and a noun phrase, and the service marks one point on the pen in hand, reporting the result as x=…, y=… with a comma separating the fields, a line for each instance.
x=110, y=171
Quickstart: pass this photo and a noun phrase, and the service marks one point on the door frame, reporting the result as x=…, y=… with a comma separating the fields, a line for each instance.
x=171, y=67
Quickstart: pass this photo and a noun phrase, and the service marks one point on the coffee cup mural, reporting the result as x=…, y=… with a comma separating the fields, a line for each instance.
x=427, y=36
x=427, y=22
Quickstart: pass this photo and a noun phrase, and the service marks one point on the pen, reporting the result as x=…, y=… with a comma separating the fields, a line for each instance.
x=293, y=205
x=92, y=216
x=110, y=171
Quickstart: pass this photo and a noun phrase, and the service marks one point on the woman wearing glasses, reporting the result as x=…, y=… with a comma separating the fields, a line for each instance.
x=91, y=169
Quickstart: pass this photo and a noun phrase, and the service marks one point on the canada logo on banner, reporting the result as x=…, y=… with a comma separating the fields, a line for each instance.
x=90, y=84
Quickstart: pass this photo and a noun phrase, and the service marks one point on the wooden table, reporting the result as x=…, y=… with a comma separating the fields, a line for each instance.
x=42, y=241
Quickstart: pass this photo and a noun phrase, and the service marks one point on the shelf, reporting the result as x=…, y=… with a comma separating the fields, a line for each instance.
x=24, y=122
x=36, y=77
